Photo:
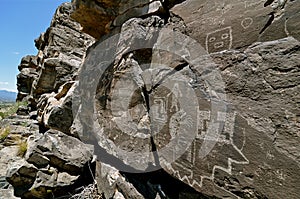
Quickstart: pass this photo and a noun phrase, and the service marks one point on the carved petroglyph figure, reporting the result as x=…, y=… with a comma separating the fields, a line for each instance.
x=177, y=119
x=219, y=40
x=224, y=154
x=159, y=109
x=247, y=22
x=175, y=94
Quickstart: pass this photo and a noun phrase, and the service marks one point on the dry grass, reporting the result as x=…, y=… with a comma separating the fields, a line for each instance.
x=88, y=192
x=22, y=148
x=4, y=132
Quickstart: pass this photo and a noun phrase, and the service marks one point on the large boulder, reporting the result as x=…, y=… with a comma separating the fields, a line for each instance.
x=54, y=165
x=26, y=76
x=224, y=122
x=112, y=184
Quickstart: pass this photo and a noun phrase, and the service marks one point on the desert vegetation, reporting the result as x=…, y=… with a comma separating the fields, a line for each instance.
x=9, y=108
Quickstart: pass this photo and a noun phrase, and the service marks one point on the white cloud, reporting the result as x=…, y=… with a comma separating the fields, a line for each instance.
x=11, y=90
x=4, y=83
x=16, y=53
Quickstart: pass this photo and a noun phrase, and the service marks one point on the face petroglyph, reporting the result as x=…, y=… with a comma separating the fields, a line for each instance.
x=247, y=22
x=219, y=40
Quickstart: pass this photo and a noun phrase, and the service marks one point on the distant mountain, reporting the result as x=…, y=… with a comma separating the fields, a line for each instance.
x=7, y=96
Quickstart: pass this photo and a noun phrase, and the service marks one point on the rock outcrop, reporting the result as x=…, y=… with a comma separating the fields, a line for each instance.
x=61, y=50
x=27, y=75
x=177, y=99
x=13, y=144
x=53, y=166
x=101, y=17
x=57, y=107
x=36, y=161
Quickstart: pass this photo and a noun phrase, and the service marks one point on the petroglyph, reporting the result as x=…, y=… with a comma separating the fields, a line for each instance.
x=247, y=22
x=224, y=154
x=215, y=21
x=219, y=40
x=176, y=93
x=159, y=109
x=178, y=119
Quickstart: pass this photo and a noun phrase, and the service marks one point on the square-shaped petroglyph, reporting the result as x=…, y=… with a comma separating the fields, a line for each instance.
x=219, y=40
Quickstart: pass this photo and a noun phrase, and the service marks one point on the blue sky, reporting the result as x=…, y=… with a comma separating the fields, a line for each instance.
x=21, y=21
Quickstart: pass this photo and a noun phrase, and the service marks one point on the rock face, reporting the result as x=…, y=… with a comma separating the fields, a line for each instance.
x=177, y=99
x=61, y=50
x=254, y=50
x=253, y=153
x=27, y=75
x=236, y=24
x=101, y=17
x=55, y=109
